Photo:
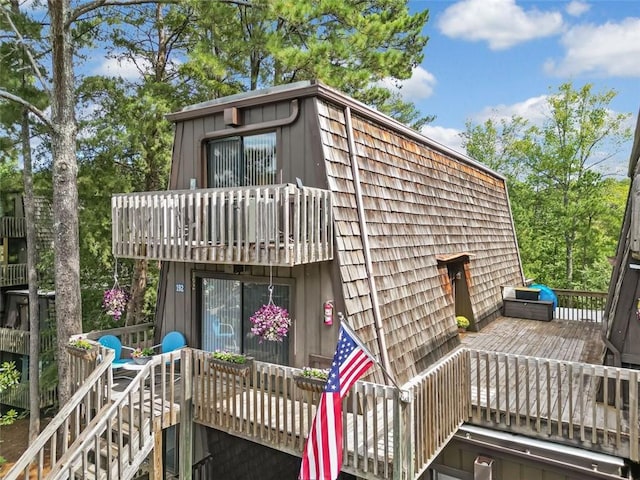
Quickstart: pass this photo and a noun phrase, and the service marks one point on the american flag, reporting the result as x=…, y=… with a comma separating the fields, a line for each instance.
x=322, y=457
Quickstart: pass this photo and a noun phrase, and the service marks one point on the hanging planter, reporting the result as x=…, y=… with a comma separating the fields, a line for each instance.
x=270, y=322
x=115, y=301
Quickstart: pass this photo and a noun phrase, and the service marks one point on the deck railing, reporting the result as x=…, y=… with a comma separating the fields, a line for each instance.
x=259, y=225
x=17, y=341
x=580, y=305
x=557, y=400
x=15, y=227
x=122, y=437
x=441, y=403
x=380, y=440
x=103, y=432
x=91, y=383
x=135, y=336
x=14, y=274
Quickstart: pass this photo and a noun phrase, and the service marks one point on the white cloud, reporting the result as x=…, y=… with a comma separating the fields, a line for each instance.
x=501, y=23
x=534, y=109
x=449, y=137
x=577, y=8
x=125, y=68
x=418, y=87
x=611, y=50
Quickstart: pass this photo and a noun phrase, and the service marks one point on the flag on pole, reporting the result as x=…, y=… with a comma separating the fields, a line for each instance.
x=322, y=456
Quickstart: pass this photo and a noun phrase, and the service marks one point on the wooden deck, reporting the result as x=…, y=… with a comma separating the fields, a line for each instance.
x=567, y=340
x=542, y=379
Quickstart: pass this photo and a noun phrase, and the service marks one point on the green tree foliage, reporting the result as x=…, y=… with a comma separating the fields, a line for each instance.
x=196, y=51
x=9, y=377
x=567, y=215
x=351, y=46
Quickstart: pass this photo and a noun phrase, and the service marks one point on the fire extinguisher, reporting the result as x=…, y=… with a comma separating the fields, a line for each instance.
x=328, y=312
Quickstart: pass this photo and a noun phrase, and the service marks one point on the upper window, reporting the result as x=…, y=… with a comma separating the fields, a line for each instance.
x=242, y=161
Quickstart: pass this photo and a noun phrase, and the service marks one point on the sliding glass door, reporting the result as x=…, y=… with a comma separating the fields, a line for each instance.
x=227, y=305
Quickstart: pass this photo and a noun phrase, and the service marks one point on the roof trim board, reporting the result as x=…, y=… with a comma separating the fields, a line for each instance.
x=318, y=89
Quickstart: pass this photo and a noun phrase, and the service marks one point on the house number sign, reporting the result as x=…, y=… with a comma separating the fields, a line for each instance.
x=180, y=287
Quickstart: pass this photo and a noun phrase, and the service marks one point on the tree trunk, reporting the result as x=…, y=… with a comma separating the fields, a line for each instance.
x=135, y=308
x=65, y=191
x=32, y=261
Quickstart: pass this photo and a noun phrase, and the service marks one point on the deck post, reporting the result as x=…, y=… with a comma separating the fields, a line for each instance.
x=186, y=416
x=403, y=451
x=156, y=467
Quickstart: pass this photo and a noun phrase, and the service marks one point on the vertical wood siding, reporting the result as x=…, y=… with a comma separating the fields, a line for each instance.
x=299, y=156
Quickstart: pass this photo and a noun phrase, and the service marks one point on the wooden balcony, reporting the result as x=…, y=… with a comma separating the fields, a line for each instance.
x=388, y=433
x=17, y=341
x=261, y=225
x=15, y=227
x=14, y=274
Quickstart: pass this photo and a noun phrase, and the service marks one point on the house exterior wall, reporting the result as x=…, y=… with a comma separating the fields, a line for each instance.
x=238, y=459
x=400, y=204
x=298, y=152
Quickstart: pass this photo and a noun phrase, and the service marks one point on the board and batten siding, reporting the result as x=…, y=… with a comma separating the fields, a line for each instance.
x=299, y=156
x=418, y=203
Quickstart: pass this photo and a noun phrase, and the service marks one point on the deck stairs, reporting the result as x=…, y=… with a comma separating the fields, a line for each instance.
x=110, y=432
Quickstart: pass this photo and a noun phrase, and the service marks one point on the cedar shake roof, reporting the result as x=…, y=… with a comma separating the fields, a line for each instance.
x=422, y=208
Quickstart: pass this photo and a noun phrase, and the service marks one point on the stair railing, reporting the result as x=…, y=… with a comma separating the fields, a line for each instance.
x=132, y=416
x=71, y=422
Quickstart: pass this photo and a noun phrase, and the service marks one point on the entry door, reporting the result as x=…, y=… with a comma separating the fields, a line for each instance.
x=227, y=305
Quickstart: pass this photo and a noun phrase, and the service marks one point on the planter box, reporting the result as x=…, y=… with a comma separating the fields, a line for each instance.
x=532, y=310
x=90, y=354
x=311, y=384
x=238, y=369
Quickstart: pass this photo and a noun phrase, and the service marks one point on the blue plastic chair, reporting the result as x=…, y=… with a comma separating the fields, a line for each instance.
x=172, y=341
x=113, y=342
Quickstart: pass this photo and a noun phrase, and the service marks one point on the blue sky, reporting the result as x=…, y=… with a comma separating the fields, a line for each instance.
x=497, y=58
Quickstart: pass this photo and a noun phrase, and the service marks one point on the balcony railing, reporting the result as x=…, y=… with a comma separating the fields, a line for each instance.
x=15, y=227
x=557, y=400
x=580, y=306
x=15, y=274
x=260, y=225
x=17, y=341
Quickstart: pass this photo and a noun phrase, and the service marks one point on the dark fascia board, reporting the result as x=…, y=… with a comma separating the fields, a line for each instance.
x=318, y=89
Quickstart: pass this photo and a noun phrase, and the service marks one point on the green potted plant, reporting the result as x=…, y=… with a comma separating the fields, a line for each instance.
x=230, y=362
x=463, y=323
x=311, y=379
x=79, y=346
x=142, y=355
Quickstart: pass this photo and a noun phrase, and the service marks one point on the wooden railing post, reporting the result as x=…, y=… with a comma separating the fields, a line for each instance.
x=403, y=430
x=186, y=415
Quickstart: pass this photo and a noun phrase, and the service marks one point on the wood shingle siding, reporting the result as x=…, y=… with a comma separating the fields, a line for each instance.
x=418, y=203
